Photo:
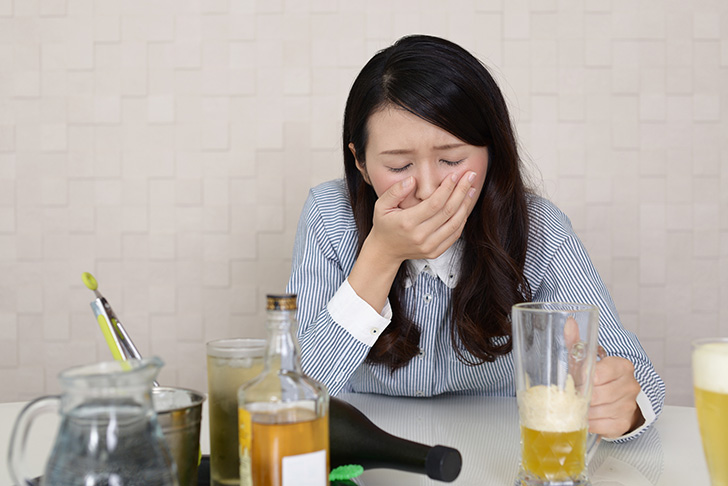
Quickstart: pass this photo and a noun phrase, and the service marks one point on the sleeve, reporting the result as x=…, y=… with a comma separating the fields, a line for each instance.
x=570, y=276
x=356, y=316
x=334, y=324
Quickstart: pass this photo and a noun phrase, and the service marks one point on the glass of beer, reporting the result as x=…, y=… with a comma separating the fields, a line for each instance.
x=710, y=379
x=554, y=352
x=230, y=363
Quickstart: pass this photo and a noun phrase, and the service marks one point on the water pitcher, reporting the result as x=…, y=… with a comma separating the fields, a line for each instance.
x=108, y=433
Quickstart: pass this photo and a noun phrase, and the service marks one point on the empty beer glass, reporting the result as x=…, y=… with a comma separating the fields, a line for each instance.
x=554, y=350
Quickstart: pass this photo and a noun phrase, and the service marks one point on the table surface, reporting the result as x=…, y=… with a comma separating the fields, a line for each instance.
x=484, y=430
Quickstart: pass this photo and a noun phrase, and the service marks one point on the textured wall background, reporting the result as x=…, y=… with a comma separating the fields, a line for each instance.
x=167, y=147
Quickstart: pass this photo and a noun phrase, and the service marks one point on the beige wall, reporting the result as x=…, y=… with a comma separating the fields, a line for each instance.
x=167, y=146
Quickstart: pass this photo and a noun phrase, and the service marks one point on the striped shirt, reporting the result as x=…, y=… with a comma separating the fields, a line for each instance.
x=336, y=330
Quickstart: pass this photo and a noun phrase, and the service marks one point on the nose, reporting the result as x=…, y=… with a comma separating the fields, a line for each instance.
x=428, y=180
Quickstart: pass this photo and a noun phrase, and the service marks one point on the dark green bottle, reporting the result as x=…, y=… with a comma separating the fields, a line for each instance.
x=355, y=439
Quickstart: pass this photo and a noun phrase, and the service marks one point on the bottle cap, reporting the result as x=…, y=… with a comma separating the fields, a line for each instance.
x=345, y=472
x=281, y=301
x=443, y=463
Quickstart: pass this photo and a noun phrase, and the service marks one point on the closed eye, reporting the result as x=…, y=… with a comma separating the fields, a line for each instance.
x=450, y=162
x=399, y=169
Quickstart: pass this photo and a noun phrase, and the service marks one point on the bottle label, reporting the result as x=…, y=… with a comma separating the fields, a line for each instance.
x=304, y=469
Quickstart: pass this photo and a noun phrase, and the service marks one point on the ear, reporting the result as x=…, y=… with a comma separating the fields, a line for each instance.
x=359, y=165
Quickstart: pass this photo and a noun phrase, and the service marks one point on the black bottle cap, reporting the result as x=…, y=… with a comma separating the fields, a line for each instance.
x=443, y=463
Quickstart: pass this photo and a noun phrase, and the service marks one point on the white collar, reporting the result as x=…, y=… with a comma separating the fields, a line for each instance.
x=446, y=267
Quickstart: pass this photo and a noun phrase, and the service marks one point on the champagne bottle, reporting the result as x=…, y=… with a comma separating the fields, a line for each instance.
x=283, y=414
x=355, y=439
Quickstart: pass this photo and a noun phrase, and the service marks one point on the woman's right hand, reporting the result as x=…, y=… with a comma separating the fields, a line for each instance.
x=425, y=230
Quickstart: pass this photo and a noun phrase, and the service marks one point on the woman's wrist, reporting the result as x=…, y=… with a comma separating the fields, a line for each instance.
x=373, y=274
x=638, y=420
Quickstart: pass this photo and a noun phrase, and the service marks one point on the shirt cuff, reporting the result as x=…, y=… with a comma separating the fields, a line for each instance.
x=647, y=412
x=356, y=316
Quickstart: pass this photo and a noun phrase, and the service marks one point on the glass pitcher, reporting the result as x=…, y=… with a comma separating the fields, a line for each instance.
x=108, y=434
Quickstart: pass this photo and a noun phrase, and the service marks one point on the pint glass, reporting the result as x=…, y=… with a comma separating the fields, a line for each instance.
x=710, y=379
x=230, y=363
x=554, y=350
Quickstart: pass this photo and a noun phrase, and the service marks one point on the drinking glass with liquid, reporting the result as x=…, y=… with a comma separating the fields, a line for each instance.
x=710, y=381
x=230, y=363
x=283, y=414
x=554, y=352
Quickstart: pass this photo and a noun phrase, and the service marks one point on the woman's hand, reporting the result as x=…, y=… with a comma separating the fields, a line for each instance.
x=425, y=230
x=614, y=411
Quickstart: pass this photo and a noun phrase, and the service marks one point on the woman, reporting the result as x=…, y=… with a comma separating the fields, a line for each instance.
x=406, y=271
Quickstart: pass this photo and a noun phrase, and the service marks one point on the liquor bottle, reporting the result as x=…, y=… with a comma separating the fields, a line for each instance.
x=283, y=414
x=356, y=440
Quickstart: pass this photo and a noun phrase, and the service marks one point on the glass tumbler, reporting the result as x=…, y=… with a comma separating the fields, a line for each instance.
x=230, y=363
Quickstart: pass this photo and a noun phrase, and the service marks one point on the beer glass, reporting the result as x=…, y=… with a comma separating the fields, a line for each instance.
x=554, y=352
x=710, y=381
x=230, y=363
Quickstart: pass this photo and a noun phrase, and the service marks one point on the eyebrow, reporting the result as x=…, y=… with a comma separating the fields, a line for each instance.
x=408, y=151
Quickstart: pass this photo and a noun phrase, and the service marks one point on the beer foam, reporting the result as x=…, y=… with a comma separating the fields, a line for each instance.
x=550, y=409
x=710, y=367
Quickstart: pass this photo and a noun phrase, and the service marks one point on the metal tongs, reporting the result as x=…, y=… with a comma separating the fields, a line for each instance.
x=121, y=346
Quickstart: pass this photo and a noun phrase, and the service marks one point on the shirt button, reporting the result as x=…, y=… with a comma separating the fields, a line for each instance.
x=374, y=330
x=421, y=353
x=420, y=393
x=428, y=297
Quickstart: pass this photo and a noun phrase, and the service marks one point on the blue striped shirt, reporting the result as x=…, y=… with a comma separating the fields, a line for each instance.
x=557, y=269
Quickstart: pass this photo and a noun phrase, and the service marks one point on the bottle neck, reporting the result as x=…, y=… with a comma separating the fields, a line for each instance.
x=283, y=351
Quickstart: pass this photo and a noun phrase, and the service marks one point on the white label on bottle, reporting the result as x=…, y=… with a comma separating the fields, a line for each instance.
x=304, y=469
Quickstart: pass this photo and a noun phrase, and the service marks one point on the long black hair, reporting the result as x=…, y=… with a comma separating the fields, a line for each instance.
x=447, y=86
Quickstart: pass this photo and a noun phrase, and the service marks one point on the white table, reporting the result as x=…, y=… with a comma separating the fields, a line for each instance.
x=484, y=430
